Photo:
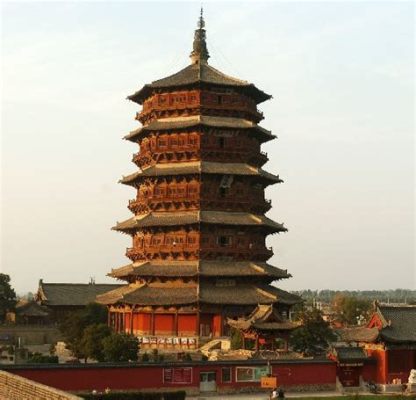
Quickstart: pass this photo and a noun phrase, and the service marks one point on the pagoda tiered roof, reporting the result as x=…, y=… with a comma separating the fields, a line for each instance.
x=170, y=294
x=199, y=267
x=198, y=167
x=198, y=74
x=195, y=217
x=200, y=120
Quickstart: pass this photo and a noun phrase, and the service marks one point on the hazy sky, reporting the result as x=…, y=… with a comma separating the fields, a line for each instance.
x=342, y=79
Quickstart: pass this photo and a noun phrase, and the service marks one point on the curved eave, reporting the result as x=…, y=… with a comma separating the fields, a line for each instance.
x=194, y=217
x=179, y=124
x=203, y=268
x=197, y=168
x=249, y=89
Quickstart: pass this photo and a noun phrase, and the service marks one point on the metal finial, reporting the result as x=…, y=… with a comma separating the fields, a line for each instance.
x=199, y=52
x=201, y=23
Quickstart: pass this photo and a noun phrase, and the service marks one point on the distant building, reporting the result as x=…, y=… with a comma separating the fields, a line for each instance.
x=31, y=313
x=61, y=298
x=390, y=339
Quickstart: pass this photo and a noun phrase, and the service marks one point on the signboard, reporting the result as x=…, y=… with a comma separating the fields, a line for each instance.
x=251, y=374
x=268, y=382
x=177, y=375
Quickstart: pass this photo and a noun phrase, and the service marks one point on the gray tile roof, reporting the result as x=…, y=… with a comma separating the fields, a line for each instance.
x=197, y=74
x=71, y=294
x=350, y=354
x=179, y=123
x=168, y=294
x=263, y=318
x=198, y=167
x=194, y=217
x=150, y=295
x=399, y=323
x=203, y=267
x=358, y=334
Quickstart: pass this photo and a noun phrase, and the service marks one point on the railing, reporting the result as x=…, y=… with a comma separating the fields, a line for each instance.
x=196, y=105
x=140, y=252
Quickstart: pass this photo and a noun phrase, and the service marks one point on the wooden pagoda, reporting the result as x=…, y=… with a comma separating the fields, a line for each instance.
x=199, y=253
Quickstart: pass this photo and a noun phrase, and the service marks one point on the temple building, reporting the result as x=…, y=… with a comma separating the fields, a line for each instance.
x=198, y=254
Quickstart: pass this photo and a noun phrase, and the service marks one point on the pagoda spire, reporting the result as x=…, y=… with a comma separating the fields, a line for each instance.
x=199, y=52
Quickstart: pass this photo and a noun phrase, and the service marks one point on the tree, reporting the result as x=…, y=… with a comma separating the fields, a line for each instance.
x=350, y=309
x=38, y=358
x=92, y=341
x=236, y=339
x=74, y=325
x=119, y=347
x=314, y=336
x=7, y=296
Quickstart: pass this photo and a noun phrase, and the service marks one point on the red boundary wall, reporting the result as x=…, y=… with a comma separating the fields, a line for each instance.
x=295, y=374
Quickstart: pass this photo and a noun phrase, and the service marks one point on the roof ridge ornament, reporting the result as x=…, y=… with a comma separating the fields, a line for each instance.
x=199, y=54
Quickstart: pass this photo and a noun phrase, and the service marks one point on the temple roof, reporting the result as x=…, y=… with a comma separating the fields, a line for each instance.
x=197, y=74
x=150, y=295
x=263, y=318
x=31, y=309
x=194, y=217
x=169, y=294
x=202, y=267
x=350, y=354
x=399, y=323
x=358, y=334
x=200, y=120
x=71, y=294
x=197, y=167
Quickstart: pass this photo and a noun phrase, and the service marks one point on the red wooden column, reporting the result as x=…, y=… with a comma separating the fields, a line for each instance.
x=131, y=321
x=152, y=323
x=175, y=323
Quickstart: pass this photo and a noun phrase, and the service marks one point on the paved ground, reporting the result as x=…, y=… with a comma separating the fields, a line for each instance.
x=260, y=396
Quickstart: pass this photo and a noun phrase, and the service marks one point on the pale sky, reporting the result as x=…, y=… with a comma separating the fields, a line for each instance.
x=342, y=79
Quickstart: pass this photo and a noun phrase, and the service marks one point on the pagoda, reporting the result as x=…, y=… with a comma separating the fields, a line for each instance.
x=198, y=254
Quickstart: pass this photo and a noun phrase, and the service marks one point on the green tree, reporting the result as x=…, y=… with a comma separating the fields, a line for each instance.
x=38, y=358
x=7, y=296
x=92, y=341
x=351, y=310
x=74, y=325
x=314, y=336
x=236, y=339
x=120, y=347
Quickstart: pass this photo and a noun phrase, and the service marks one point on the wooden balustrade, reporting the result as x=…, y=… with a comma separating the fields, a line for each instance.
x=142, y=253
x=246, y=108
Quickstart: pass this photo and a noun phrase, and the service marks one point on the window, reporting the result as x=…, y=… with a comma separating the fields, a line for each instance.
x=223, y=191
x=161, y=143
x=191, y=240
x=224, y=241
x=192, y=189
x=225, y=375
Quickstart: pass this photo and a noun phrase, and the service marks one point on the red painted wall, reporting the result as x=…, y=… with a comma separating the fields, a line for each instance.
x=164, y=324
x=187, y=324
x=86, y=378
x=381, y=369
